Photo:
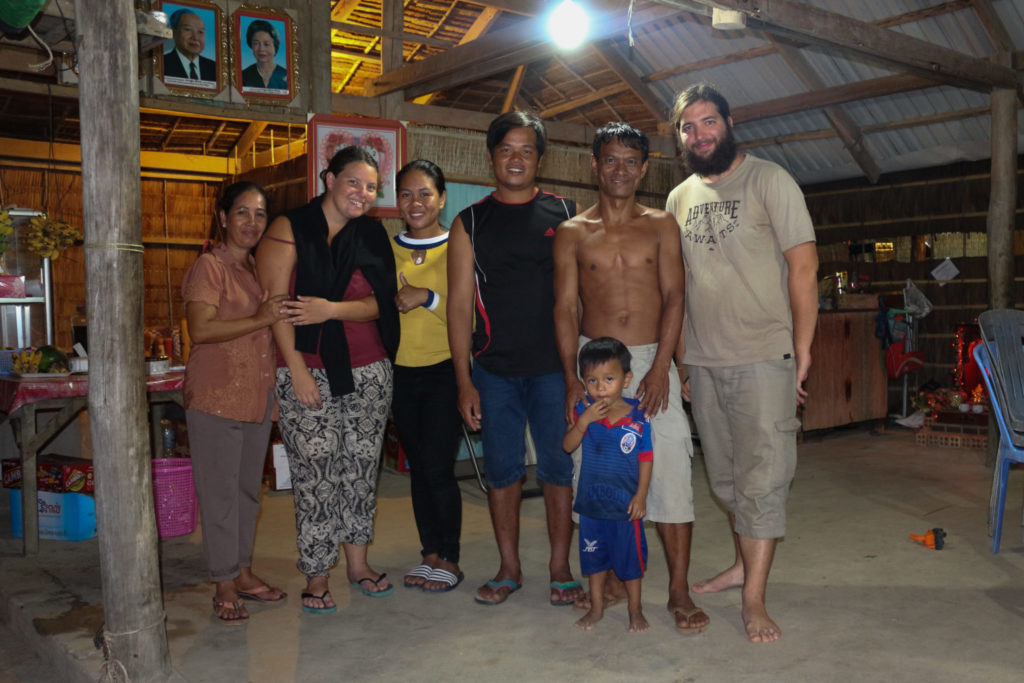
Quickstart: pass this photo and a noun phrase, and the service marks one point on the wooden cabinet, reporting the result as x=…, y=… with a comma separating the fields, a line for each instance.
x=847, y=381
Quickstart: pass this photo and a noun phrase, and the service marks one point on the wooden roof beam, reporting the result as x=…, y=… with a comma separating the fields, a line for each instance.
x=243, y=147
x=513, y=89
x=849, y=132
x=928, y=120
x=577, y=102
x=343, y=9
x=993, y=24
x=403, y=35
x=867, y=41
x=524, y=7
x=503, y=50
x=480, y=25
x=862, y=90
x=624, y=70
x=753, y=53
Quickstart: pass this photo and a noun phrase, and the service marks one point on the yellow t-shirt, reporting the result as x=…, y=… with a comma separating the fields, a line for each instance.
x=424, y=262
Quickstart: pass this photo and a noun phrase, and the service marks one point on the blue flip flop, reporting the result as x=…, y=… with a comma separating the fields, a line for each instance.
x=495, y=586
x=358, y=585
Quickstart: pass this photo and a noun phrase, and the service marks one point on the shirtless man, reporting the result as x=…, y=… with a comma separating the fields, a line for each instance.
x=619, y=273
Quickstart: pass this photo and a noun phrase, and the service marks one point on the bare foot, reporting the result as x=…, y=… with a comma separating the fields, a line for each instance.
x=610, y=598
x=637, y=623
x=587, y=621
x=760, y=627
x=730, y=578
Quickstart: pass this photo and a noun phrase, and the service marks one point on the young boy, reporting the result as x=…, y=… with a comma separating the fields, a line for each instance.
x=614, y=474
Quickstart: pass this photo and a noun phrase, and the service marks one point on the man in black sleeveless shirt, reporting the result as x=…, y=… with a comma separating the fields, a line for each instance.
x=500, y=317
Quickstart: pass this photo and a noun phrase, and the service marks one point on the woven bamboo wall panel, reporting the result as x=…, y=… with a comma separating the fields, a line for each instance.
x=190, y=212
x=463, y=154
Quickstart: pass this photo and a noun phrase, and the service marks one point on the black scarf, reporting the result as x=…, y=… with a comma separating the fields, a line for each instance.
x=324, y=270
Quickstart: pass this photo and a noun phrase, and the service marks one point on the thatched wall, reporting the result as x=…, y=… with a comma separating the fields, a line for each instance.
x=176, y=219
x=565, y=170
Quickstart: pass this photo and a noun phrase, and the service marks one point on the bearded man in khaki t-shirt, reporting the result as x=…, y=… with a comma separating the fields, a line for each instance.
x=751, y=307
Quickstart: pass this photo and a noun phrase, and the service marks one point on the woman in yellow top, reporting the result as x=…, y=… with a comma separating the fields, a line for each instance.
x=424, y=403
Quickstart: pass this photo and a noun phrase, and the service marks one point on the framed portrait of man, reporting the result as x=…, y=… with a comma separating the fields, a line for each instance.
x=384, y=140
x=191, y=62
x=263, y=48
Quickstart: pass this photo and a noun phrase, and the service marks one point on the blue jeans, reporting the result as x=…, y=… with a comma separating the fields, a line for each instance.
x=506, y=405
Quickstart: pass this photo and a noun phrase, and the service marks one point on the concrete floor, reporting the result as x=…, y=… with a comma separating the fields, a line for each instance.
x=855, y=598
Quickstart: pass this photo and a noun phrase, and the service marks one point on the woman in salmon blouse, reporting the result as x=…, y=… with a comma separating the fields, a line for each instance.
x=229, y=397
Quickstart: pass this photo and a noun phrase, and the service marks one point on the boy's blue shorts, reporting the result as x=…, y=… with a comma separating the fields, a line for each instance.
x=619, y=545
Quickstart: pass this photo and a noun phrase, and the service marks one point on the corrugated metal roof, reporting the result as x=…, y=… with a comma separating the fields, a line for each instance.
x=899, y=129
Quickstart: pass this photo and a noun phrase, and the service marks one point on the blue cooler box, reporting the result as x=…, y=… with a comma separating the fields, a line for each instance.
x=62, y=516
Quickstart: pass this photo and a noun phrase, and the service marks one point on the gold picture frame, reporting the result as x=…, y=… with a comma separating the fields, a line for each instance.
x=264, y=44
x=193, y=61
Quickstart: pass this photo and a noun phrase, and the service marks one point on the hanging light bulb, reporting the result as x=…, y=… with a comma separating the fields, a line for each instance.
x=567, y=25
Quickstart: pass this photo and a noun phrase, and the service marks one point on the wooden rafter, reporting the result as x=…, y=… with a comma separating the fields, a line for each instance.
x=836, y=32
x=513, y=89
x=915, y=121
x=577, y=102
x=849, y=132
x=503, y=50
x=243, y=147
x=862, y=90
x=634, y=81
x=480, y=25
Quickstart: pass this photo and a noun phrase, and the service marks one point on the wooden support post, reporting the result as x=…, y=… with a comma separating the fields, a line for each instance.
x=391, y=59
x=1002, y=199
x=320, y=57
x=1002, y=202
x=134, y=628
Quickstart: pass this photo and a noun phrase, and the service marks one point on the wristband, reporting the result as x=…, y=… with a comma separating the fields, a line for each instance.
x=432, y=300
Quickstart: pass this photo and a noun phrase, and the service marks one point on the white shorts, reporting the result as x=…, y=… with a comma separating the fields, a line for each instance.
x=670, y=496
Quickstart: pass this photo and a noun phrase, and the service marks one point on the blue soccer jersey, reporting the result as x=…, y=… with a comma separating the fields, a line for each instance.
x=610, y=470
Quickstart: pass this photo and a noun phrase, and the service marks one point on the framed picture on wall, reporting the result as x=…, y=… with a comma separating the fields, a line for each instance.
x=263, y=49
x=192, y=61
x=385, y=140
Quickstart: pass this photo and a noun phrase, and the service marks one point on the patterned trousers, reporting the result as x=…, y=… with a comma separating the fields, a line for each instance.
x=333, y=454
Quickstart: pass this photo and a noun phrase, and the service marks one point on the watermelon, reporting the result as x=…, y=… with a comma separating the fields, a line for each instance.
x=52, y=359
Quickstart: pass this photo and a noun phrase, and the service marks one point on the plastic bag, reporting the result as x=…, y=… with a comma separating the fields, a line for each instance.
x=915, y=301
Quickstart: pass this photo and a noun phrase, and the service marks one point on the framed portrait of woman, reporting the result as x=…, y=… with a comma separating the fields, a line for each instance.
x=383, y=139
x=193, y=62
x=264, y=56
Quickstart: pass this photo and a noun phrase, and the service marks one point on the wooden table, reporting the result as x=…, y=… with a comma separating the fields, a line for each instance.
x=21, y=399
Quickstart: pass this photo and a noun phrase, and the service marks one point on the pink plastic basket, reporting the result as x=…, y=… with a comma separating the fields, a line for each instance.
x=174, y=497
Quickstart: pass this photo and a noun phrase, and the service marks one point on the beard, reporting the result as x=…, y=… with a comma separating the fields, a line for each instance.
x=718, y=162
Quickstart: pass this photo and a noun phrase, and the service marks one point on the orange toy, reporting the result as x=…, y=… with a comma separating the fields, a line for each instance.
x=934, y=539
